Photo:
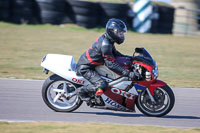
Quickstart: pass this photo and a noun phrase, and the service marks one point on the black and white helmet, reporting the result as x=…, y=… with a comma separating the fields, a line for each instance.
x=115, y=29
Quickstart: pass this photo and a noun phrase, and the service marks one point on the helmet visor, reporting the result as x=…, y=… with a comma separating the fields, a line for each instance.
x=120, y=33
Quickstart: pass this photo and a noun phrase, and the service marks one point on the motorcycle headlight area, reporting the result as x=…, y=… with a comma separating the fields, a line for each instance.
x=155, y=72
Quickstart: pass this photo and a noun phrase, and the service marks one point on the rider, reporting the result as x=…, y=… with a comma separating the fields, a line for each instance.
x=102, y=52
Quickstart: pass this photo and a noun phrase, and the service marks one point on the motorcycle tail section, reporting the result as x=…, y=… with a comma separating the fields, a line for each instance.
x=54, y=61
x=64, y=66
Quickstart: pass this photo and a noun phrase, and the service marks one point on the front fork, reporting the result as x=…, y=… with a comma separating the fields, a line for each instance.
x=150, y=95
x=150, y=89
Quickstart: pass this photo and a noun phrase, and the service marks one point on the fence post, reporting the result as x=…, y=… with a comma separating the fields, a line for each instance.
x=142, y=19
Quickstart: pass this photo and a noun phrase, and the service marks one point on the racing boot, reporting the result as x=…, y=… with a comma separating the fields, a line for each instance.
x=86, y=92
x=83, y=94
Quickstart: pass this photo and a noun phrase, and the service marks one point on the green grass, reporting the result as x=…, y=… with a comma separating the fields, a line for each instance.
x=42, y=127
x=22, y=48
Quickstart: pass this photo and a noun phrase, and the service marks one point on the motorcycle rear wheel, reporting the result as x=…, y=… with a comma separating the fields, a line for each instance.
x=58, y=98
x=164, y=102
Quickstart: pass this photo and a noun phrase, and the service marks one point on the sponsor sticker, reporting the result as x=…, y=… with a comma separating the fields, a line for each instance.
x=114, y=104
x=122, y=93
x=78, y=81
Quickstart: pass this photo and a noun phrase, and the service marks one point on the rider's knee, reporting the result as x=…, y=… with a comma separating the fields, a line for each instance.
x=102, y=84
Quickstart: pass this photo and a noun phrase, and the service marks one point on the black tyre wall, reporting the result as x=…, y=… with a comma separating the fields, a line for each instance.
x=4, y=10
x=111, y=10
x=154, y=21
x=86, y=13
x=164, y=24
x=86, y=21
x=166, y=19
x=51, y=17
x=51, y=11
x=22, y=11
x=69, y=14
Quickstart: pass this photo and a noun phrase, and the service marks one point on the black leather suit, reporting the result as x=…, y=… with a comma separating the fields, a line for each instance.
x=101, y=52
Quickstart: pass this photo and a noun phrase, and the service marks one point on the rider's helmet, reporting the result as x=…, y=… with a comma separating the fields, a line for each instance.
x=115, y=29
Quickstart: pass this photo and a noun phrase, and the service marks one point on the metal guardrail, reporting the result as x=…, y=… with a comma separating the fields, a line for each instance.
x=191, y=25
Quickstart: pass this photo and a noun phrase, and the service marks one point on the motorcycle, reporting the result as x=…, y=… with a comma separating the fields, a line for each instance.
x=152, y=97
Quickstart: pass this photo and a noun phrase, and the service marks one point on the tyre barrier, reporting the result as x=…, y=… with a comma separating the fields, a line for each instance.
x=4, y=10
x=166, y=20
x=154, y=21
x=164, y=23
x=111, y=10
x=69, y=14
x=51, y=11
x=86, y=13
x=82, y=13
x=22, y=11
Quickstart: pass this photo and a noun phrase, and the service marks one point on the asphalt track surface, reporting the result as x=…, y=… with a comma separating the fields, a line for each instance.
x=21, y=100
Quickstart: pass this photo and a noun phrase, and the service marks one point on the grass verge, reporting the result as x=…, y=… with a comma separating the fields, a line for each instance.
x=44, y=127
x=22, y=48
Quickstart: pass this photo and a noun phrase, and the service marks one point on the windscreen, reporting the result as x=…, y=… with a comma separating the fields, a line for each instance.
x=144, y=57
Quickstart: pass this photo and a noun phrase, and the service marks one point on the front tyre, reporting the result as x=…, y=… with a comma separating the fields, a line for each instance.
x=60, y=94
x=164, y=102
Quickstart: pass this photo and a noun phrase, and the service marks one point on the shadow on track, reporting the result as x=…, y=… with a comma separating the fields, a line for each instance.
x=180, y=117
x=138, y=115
x=112, y=114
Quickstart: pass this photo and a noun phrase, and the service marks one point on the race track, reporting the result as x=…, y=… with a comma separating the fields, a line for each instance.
x=21, y=100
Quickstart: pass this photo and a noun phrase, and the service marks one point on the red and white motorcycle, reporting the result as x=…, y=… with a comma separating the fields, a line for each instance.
x=151, y=96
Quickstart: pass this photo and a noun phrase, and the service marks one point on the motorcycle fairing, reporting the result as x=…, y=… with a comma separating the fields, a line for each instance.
x=64, y=66
x=113, y=97
x=139, y=88
x=114, y=105
x=156, y=84
x=152, y=85
x=122, y=85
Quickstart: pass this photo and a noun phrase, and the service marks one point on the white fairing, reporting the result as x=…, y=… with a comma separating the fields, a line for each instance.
x=122, y=85
x=64, y=66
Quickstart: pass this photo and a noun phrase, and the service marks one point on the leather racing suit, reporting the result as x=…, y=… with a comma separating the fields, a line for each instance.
x=101, y=52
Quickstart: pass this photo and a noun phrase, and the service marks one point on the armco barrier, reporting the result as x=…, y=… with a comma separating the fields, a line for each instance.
x=83, y=13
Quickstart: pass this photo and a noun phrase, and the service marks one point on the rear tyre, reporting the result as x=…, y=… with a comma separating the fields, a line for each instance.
x=60, y=95
x=164, y=102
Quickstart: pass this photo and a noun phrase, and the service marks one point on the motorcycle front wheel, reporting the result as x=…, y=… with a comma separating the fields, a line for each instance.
x=164, y=102
x=60, y=94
